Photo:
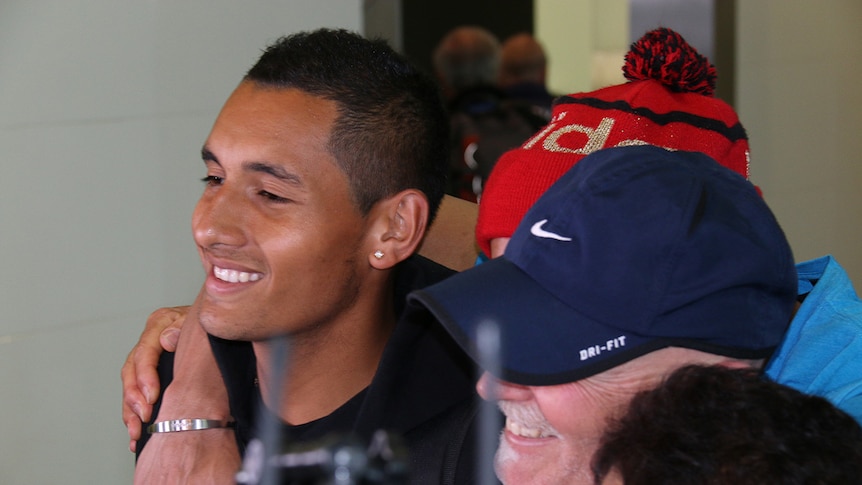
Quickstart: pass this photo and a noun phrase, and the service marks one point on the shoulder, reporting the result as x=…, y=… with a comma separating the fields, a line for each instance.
x=823, y=343
x=417, y=272
x=444, y=450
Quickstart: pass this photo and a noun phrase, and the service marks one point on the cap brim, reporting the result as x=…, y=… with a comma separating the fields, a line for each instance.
x=543, y=341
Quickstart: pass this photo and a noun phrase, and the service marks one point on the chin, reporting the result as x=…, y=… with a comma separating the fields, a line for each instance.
x=216, y=326
x=510, y=467
x=219, y=331
x=514, y=469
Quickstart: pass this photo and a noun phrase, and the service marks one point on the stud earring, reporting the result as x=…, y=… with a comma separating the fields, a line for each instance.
x=378, y=254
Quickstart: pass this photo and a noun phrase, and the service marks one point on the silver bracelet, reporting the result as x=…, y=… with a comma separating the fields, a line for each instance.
x=188, y=424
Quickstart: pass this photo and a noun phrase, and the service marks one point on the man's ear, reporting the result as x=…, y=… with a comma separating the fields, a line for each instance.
x=398, y=226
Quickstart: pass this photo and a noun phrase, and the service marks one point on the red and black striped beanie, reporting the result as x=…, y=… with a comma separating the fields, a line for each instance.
x=668, y=102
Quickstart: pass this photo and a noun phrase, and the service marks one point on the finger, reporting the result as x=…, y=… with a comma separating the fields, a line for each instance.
x=133, y=426
x=132, y=413
x=170, y=320
x=145, y=362
x=168, y=339
x=135, y=406
x=133, y=410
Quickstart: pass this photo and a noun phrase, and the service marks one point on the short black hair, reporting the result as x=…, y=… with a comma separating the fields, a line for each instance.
x=391, y=132
x=719, y=426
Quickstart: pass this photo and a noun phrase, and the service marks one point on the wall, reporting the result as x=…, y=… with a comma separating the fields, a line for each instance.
x=798, y=72
x=796, y=75
x=103, y=108
x=585, y=41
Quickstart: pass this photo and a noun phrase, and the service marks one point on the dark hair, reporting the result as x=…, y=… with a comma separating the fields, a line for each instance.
x=721, y=426
x=391, y=131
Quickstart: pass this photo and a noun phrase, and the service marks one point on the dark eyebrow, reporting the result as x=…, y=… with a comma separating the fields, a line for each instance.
x=276, y=171
x=262, y=167
x=207, y=155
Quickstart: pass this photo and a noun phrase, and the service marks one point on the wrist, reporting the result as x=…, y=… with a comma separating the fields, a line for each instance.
x=179, y=403
x=188, y=424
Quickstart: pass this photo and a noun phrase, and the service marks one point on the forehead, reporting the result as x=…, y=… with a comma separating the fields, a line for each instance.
x=640, y=373
x=265, y=123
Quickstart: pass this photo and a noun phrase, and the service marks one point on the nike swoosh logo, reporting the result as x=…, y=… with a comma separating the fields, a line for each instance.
x=537, y=231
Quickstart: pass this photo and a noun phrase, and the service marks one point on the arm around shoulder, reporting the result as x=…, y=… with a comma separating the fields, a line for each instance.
x=197, y=391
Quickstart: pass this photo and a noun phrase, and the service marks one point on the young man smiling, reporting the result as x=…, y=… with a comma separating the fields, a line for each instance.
x=323, y=170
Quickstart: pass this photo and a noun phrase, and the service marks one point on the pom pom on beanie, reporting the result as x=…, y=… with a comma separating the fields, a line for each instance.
x=663, y=55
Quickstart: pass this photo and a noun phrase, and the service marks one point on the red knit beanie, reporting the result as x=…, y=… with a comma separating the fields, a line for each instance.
x=668, y=102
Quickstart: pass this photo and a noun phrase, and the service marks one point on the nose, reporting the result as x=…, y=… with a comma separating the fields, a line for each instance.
x=218, y=219
x=492, y=389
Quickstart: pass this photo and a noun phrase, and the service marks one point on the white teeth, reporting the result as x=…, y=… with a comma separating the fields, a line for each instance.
x=521, y=430
x=526, y=420
x=234, y=276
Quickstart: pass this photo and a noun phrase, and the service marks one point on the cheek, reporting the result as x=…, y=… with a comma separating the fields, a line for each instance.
x=295, y=262
x=312, y=258
x=577, y=414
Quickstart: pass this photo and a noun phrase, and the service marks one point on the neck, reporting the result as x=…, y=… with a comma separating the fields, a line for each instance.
x=323, y=369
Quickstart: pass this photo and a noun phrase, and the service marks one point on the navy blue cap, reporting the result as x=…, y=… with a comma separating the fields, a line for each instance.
x=634, y=249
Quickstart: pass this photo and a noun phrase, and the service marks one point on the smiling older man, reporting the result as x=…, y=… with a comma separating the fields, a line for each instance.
x=638, y=261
